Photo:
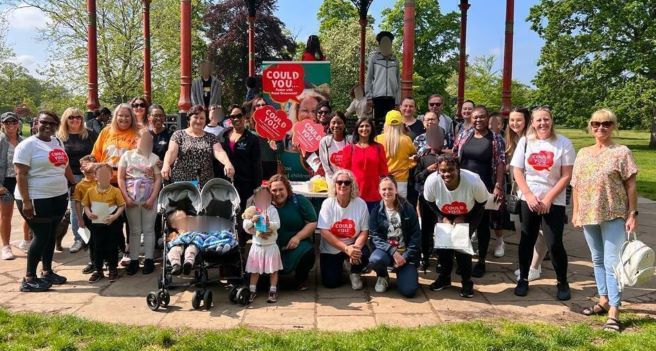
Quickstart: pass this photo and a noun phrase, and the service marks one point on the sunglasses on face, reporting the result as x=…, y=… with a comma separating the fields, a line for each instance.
x=139, y=105
x=605, y=124
x=13, y=122
x=235, y=116
x=343, y=182
x=434, y=104
x=322, y=112
x=261, y=104
x=75, y=117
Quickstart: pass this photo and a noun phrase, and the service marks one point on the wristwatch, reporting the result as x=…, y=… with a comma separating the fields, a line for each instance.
x=634, y=213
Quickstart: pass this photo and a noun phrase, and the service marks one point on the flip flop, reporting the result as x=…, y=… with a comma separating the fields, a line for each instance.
x=613, y=325
x=595, y=310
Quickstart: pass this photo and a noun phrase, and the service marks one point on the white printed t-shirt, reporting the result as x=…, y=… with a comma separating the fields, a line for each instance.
x=542, y=162
x=345, y=223
x=47, y=162
x=461, y=200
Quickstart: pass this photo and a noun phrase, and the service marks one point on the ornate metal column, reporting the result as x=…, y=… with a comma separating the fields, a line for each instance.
x=462, y=64
x=506, y=89
x=184, y=102
x=148, y=91
x=408, y=47
x=92, y=59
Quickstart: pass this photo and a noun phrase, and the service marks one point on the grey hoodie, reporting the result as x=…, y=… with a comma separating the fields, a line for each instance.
x=383, y=77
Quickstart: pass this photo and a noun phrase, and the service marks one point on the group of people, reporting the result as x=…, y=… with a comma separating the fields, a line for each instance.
x=386, y=191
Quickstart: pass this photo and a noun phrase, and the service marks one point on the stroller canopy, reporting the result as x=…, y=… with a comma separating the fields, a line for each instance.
x=179, y=196
x=219, y=198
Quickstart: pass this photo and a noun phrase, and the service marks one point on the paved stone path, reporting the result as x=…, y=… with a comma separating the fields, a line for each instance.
x=329, y=309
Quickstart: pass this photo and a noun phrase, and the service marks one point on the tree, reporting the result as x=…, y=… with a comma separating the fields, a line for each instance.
x=483, y=85
x=120, y=46
x=342, y=46
x=226, y=23
x=436, y=47
x=336, y=13
x=597, y=54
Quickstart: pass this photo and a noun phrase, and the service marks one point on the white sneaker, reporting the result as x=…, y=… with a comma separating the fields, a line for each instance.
x=25, y=245
x=500, y=249
x=125, y=261
x=533, y=274
x=7, y=254
x=77, y=246
x=356, y=281
x=381, y=284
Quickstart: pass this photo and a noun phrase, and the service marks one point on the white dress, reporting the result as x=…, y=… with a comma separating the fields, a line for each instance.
x=264, y=256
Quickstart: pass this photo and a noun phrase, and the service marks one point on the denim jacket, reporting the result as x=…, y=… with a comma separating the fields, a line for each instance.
x=4, y=161
x=378, y=226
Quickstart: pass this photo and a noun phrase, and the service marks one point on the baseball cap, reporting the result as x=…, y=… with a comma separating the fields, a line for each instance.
x=7, y=116
x=393, y=118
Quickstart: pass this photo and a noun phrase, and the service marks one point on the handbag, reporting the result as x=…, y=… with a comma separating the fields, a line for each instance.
x=512, y=200
x=453, y=237
x=636, y=263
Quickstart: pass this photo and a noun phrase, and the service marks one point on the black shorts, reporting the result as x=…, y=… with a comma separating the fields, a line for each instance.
x=10, y=185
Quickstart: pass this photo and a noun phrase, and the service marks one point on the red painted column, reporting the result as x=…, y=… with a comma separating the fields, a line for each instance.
x=148, y=91
x=363, y=43
x=184, y=102
x=251, y=45
x=462, y=64
x=506, y=87
x=408, y=47
x=92, y=57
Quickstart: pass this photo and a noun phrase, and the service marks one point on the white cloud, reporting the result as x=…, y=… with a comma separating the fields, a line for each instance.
x=496, y=52
x=27, y=61
x=26, y=17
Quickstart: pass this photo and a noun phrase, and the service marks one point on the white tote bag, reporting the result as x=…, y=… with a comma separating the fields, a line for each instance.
x=455, y=237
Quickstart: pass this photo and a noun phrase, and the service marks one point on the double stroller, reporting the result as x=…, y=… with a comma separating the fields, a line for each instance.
x=212, y=210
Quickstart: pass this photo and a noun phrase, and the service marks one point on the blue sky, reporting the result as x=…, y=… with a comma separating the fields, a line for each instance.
x=485, y=31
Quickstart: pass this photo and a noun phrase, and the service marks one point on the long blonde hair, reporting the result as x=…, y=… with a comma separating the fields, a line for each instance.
x=532, y=134
x=63, y=131
x=133, y=117
x=511, y=137
x=393, y=136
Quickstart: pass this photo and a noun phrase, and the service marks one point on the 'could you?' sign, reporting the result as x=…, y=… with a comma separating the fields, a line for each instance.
x=283, y=82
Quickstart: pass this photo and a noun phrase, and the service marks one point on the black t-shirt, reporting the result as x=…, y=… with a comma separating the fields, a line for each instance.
x=416, y=129
x=477, y=156
x=207, y=91
x=76, y=148
x=161, y=143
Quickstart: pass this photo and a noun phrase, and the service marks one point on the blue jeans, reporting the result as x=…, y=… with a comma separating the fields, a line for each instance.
x=331, y=267
x=605, y=240
x=71, y=205
x=407, y=280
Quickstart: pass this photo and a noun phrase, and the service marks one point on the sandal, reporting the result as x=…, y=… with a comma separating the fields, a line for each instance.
x=612, y=325
x=595, y=310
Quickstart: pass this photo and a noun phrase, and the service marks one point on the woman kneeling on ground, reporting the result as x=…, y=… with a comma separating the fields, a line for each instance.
x=396, y=238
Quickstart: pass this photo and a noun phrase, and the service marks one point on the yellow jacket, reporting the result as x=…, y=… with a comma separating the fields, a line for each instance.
x=399, y=165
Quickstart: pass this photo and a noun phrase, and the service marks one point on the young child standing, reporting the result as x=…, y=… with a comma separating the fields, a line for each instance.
x=81, y=188
x=105, y=233
x=264, y=256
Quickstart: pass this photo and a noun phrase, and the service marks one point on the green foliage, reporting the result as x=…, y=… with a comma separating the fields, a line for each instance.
x=483, y=85
x=336, y=13
x=597, y=54
x=342, y=47
x=436, y=47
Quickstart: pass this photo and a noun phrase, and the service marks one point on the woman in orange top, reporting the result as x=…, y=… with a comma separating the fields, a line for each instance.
x=116, y=139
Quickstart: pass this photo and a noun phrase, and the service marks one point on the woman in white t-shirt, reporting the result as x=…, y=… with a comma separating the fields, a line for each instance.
x=542, y=166
x=331, y=146
x=42, y=179
x=459, y=196
x=344, y=226
x=139, y=179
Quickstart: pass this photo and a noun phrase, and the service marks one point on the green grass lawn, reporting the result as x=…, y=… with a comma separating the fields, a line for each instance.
x=638, y=142
x=53, y=332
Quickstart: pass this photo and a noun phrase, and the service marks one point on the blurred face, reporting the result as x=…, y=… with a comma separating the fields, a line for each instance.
x=278, y=193
x=11, y=126
x=364, y=130
x=307, y=109
x=139, y=107
x=602, y=127
x=156, y=119
x=387, y=190
x=494, y=124
x=408, y=108
x=467, y=109
x=197, y=121
x=124, y=119
x=205, y=69
x=480, y=120
x=435, y=104
x=343, y=185
x=74, y=122
x=145, y=141
x=47, y=126
x=542, y=123
x=385, y=46
x=262, y=200
x=337, y=126
x=430, y=119
x=86, y=170
x=449, y=174
x=516, y=122
x=103, y=176
x=237, y=118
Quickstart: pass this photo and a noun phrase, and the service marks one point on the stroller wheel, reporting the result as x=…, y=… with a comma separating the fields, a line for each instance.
x=153, y=301
x=207, y=299
x=164, y=297
x=196, y=299
x=232, y=294
x=243, y=295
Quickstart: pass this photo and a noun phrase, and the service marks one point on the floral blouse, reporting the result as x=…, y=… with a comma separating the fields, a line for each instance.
x=599, y=181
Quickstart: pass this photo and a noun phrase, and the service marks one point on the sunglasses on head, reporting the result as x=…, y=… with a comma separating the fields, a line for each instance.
x=142, y=105
x=434, y=104
x=343, y=182
x=605, y=124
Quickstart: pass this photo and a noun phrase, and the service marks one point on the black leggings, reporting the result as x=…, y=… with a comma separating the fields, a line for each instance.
x=304, y=266
x=428, y=220
x=483, y=235
x=445, y=256
x=382, y=105
x=552, y=225
x=106, y=241
x=47, y=215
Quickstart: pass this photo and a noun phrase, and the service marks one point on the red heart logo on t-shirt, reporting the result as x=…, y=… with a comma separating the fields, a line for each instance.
x=337, y=158
x=455, y=208
x=58, y=157
x=344, y=228
x=541, y=161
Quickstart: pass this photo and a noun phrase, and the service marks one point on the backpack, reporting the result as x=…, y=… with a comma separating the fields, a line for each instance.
x=636, y=263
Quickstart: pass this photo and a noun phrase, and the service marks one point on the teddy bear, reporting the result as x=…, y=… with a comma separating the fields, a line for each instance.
x=253, y=217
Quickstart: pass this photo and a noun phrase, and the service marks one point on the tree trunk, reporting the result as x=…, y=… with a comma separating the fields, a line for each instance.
x=652, y=140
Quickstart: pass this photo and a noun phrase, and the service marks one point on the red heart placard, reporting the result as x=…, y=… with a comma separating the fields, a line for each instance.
x=307, y=135
x=283, y=82
x=343, y=229
x=541, y=161
x=271, y=124
x=58, y=157
x=337, y=158
x=455, y=208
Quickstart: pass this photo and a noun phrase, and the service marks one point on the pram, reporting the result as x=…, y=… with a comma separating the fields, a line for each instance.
x=213, y=209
